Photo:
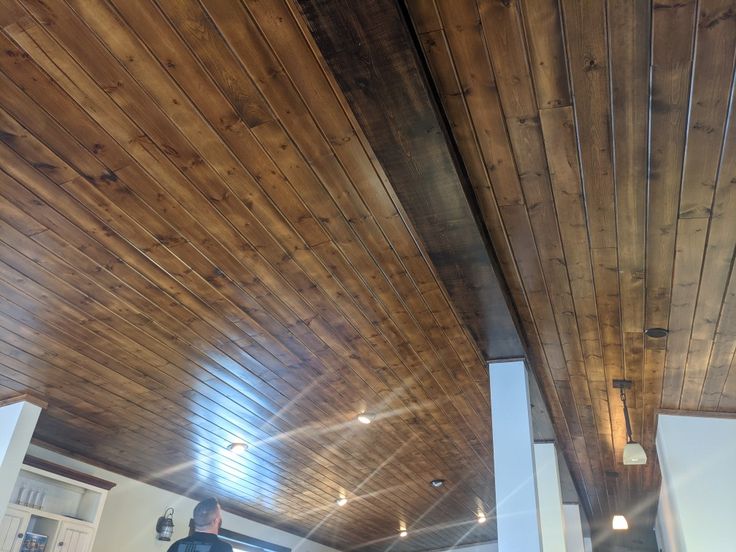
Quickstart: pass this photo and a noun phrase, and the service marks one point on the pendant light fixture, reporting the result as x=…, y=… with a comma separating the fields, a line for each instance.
x=634, y=454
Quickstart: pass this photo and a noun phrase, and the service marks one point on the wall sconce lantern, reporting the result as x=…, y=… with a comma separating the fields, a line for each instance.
x=165, y=525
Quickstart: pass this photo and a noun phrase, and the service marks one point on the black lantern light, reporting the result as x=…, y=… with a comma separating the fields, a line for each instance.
x=165, y=525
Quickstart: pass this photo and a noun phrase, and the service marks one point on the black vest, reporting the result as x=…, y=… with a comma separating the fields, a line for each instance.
x=200, y=542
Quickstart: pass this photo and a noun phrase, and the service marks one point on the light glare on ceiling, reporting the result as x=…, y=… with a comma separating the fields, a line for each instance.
x=403, y=534
x=481, y=518
x=342, y=501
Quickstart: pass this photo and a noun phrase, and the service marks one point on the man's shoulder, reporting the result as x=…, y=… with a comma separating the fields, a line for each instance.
x=211, y=545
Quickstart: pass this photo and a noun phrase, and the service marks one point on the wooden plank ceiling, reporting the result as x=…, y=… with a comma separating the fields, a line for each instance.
x=197, y=247
x=598, y=140
x=204, y=239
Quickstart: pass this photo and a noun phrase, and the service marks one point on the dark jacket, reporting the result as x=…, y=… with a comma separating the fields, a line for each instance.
x=200, y=542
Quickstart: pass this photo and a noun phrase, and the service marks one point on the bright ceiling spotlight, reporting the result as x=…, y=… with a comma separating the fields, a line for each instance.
x=403, y=533
x=237, y=447
x=437, y=483
x=365, y=418
x=481, y=518
x=342, y=501
x=634, y=454
x=619, y=523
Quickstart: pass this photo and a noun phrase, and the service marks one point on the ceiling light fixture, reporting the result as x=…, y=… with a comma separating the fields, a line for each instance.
x=342, y=501
x=403, y=533
x=437, y=483
x=656, y=333
x=619, y=523
x=237, y=447
x=634, y=453
x=365, y=418
x=481, y=518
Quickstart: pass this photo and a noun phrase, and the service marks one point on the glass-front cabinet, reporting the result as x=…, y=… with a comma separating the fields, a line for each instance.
x=52, y=509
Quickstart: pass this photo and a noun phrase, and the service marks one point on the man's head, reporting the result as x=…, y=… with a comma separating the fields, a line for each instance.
x=207, y=516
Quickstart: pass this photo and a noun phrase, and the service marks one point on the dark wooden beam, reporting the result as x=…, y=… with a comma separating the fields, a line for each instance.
x=371, y=50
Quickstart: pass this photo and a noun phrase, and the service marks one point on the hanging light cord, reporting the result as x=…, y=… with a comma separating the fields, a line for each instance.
x=629, y=439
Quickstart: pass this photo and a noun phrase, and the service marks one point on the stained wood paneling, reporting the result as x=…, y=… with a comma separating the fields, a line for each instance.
x=614, y=123
x=217, y=224
x=198, y=246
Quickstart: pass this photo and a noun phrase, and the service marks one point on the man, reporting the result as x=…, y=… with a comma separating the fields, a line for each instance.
x=207, y=519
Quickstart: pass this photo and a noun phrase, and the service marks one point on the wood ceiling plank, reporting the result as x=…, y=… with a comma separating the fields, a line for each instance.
x=543, y=26
x=710, y=104
x=691, y=237
x=559, y=133
x=671, y=64
x=629, y=26
x=587, y=50
x=727, y=402
x=719, y=260
x=586, y=43
x=713, y=69
x=503, y=32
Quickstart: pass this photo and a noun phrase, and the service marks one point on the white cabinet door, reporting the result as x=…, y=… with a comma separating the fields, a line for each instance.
x=74, y=538
x=12, y=529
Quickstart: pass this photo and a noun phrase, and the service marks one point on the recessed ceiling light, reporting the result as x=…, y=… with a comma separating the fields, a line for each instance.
x=619, y=523
x=237, y=447
x=403, y=534
x=342, y=501
x=365, y=418
x=656, y=332
x=481, y=518
x=437, y=483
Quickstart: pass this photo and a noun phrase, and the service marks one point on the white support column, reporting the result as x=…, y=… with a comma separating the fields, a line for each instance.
x=517, y=511
x=17, y=423
x=573, y=528
x=550, y=497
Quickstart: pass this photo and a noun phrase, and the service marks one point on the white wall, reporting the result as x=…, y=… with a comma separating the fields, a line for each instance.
x=667, y=527
x=17, y=422
x=573, y=528
x=132, y=508
x=697, y=455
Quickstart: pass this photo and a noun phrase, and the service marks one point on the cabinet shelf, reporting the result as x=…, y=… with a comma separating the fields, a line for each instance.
x=50, y=515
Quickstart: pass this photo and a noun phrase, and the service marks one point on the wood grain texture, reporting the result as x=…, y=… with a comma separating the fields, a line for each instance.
x=253, y=220
x=617, y=116
x=198, y=246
